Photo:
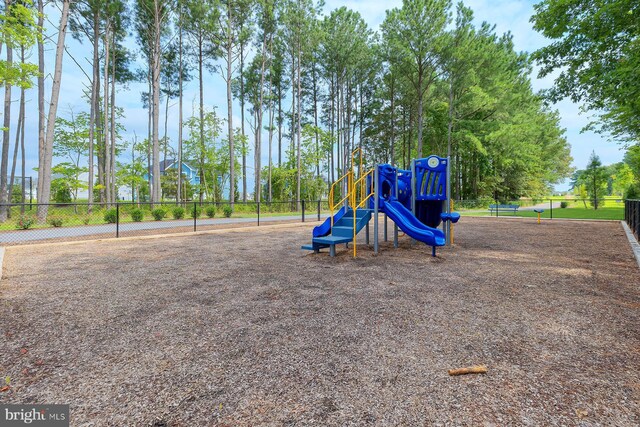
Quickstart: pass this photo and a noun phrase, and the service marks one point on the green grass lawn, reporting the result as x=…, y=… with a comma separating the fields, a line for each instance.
x=612, y=213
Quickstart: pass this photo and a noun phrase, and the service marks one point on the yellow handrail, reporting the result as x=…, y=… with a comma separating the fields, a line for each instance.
x=351, y=196
x=333, y=204
x=355, y=204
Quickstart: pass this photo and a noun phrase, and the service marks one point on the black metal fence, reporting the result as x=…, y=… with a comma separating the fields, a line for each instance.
x=80, y=221
x=632, y=216
x=578, y=208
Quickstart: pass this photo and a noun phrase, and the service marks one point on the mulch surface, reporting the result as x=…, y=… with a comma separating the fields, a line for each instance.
x=244, y=328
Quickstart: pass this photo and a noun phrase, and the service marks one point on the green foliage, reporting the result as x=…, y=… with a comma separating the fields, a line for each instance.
x=177, y=212
x=210, y=211
x=137, y=215
x=158, y=214
x=110, y=216
x=633, y=192
x=594, y=178
x=55, y=221
x=18, y=27
x=169, y=183
x=24, y=222
x=595, y=46
x=65, y=187
x=564, y=205
x=227, y=211
x=60, y=191
x=195, y=211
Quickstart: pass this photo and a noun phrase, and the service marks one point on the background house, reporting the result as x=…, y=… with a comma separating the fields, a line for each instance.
x=188, y=171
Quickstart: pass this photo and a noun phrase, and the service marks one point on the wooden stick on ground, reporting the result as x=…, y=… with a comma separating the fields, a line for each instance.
x=469, y=370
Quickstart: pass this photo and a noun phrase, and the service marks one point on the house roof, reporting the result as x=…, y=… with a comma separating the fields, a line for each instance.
x=167, y=164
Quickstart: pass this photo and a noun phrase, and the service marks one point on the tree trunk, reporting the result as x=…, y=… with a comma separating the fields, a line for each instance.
x=41, y=122
x=420, y=103
x=19, y=130
x=112, y=167
x=6, y=135
x=105, y=124
x=22, y=155
x=180, y=119
x=298, y=123
x=201, y=124
x=93, y=108
x=244, y=148
x=44, y=170
x=258, y=149
x=230, y=107
x=155, y=85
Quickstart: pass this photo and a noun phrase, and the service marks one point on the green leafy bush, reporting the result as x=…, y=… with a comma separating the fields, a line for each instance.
x=227, y=211
x=137, y=215
x=158, y=214
x=86, y=219
x=564, y=205
x=210, y=211
x=110, y=216
x=25, y=222
x=56, y=221
x=178, y=212
x=195, y=211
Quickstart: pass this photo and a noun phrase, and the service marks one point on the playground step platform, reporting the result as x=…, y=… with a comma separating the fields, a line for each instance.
x=343, y=230
x=332, y=240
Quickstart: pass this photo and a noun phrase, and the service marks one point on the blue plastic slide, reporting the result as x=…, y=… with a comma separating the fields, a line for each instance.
x=411, y=225
x=325, y=228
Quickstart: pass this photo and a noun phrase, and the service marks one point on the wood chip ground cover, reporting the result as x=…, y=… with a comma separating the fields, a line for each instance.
x=243, y=328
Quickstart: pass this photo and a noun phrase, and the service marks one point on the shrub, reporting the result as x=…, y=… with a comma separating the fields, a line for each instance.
x=158, y=214
x=633, y=192
x=178, y=212
x=564, y=205
x=195, y=211
x=25, y=222
x=137, y=215
x=110, y=216
x=56, y=221
x=210, y=211
x=86, y=219
x=227, y=211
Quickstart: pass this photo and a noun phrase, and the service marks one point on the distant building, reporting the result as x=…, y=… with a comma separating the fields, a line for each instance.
x=188, y=171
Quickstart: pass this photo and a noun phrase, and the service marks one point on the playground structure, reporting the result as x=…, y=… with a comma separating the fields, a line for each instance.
x=416, y=200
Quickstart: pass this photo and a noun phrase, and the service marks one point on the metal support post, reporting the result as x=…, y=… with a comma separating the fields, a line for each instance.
x=376, y=179
x=395, y=226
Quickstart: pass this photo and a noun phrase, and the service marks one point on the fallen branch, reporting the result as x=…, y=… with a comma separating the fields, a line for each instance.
x=469, y=370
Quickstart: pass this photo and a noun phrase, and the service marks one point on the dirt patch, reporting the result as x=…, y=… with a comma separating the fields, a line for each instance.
x=244, y=328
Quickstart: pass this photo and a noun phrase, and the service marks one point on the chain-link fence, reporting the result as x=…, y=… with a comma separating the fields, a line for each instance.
x=80, y=221
x=632, y=216
x=609, y=208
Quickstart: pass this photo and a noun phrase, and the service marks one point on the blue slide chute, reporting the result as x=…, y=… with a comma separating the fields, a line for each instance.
x=411, y=225
x=325, y=228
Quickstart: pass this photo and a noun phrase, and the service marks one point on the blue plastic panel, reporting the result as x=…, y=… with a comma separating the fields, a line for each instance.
x=431, y=178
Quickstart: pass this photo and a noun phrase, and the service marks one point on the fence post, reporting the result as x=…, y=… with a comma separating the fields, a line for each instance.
x=551, y=209
x=637, y=203
x=319, y=210
x=303, y=211
x=195, y=206
x=258, y=213
x=117, y=219
x=497, y=209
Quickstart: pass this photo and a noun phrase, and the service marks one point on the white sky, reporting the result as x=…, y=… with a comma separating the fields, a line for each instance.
x=507, y=15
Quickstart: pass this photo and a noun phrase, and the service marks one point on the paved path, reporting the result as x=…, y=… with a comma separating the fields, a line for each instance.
x=36, y=234
x=544, y=205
